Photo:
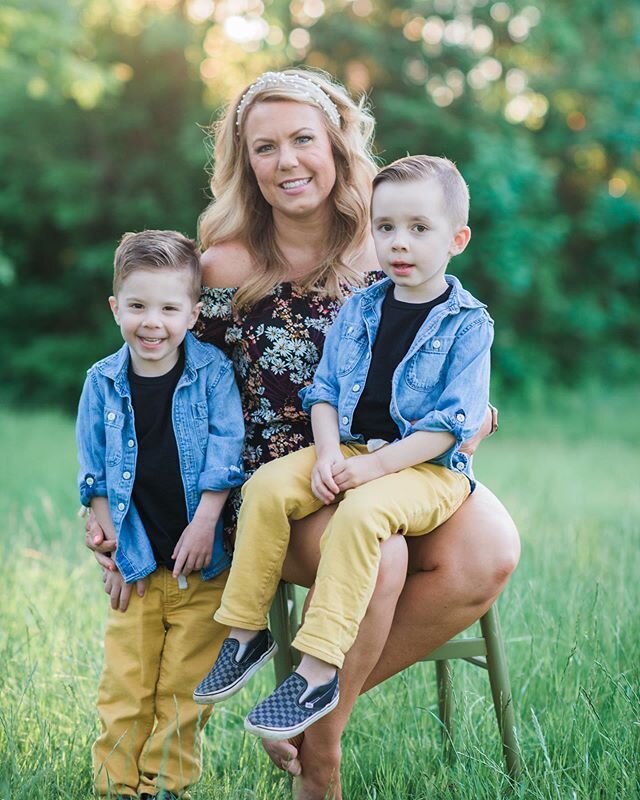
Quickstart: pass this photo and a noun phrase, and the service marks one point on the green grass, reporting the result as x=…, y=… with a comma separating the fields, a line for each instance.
x=567, y=471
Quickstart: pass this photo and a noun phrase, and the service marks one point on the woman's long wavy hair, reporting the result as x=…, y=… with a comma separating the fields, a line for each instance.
x=240, y=212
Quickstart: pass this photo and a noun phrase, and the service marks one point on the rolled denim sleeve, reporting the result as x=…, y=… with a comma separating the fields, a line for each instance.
x=223, y=467
x=90, y=440
x=324, y=387
x=461, y=407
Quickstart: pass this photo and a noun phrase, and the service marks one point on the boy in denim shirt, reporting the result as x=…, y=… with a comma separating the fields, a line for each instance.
x=159, y=432
x=403, y=381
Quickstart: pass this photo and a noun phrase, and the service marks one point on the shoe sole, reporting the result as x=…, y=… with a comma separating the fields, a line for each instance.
x=215, y=697
x=287, y=733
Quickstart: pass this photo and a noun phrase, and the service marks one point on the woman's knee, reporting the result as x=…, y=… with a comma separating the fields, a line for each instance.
x=475, y=551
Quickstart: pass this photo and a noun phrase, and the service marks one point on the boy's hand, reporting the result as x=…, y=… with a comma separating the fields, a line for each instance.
x=323, y=485
x=193, y=550
x=119, y=591
x=357, y=470
x=97, y=541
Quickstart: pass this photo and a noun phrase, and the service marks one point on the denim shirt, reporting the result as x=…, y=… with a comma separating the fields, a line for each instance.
x=441, y=384
x=209, y=430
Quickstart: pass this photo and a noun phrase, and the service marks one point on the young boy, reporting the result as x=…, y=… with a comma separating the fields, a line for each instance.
x=159, y=433
x=403, y=381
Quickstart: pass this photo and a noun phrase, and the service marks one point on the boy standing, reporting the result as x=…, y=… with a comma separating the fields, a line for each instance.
x=403, y=381
x=159, y=435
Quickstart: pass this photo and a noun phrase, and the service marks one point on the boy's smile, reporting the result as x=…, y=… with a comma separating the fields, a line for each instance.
x=154, y=310
x=414, y=237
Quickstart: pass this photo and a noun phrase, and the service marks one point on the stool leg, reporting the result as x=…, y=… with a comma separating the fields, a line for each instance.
x=444, y=678
x=501, y=690
x=280, y=618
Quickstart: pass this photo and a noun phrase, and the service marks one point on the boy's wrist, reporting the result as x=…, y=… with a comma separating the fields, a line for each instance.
x=328, y=450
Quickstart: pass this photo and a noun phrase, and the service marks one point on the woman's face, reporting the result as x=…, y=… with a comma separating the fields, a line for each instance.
x=291, y=156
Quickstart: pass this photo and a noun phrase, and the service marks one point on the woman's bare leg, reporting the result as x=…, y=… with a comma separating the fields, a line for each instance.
x=461, y=569
x=456, y=574
x=300, y=567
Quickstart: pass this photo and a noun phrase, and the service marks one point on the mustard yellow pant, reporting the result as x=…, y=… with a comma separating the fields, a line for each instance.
x=411, y=502
x=154, y=655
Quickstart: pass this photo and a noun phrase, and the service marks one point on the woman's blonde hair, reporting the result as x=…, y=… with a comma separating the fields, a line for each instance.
x=239, y=210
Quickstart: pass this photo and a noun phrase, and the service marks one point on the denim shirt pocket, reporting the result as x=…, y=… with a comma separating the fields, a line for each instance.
x=113, y=425
x=352, y=348
x=424, y=369
x=200, y=421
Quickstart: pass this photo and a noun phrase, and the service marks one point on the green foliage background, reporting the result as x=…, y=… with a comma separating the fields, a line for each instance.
x=102, y=111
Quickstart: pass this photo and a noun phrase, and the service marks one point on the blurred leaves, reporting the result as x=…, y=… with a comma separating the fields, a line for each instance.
x=102, y=110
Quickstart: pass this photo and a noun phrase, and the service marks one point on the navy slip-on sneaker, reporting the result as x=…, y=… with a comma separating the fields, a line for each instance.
x=283, y=714
x=228, y=676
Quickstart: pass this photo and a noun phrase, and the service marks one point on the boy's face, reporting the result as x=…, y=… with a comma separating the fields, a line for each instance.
x=154, y=309
x=414, y=237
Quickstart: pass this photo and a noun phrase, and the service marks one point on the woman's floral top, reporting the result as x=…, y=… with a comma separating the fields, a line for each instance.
x=275, y=347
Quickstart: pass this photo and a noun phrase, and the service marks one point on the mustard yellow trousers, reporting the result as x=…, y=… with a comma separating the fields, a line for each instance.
x=155, y=653
x=411, y=502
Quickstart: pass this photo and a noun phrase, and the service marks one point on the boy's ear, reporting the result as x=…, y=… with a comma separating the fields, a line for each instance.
x=460, y=241
x=113, y=305
x=195, y=313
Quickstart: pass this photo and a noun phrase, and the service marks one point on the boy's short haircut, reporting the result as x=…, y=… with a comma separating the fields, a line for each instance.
x=415, y=168
x=151, y=250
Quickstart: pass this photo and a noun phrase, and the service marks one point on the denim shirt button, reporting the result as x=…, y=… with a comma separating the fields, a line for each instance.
x=111, y=416
x=130, y=443
x=126, y=475
x=355, y=387
x=460, y=417
x=350, y=329
x=120, y=506
x=345, y=420
x=436, y=344
x=89, y=480
x=460, y=465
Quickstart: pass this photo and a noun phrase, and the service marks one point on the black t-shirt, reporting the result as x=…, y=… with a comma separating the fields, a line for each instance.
x=399, y=325
x=158, y=491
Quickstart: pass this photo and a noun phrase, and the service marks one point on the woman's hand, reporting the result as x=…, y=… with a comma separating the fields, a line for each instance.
x=96, y=540
x=489, y=426
x=119, y=591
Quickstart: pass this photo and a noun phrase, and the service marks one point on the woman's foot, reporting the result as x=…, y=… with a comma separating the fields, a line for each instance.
x=237, y=662
x=285, y=753
x=320, y=776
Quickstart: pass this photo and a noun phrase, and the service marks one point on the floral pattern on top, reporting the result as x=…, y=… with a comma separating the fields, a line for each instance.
x=275, y=347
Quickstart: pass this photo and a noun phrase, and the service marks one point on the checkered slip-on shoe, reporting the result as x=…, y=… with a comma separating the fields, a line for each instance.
x=283, y=715
x=163, y=794
x=227, y=676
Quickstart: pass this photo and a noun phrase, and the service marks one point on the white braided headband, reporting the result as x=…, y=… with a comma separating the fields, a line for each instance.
x=281, y=80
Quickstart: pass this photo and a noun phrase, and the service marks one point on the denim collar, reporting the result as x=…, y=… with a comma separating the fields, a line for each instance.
x=196, y=355
x=459, y=297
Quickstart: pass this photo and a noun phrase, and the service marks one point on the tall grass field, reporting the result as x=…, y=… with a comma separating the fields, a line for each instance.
x=567, y=471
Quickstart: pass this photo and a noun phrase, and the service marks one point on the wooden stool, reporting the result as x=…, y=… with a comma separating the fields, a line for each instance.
x=486, y=651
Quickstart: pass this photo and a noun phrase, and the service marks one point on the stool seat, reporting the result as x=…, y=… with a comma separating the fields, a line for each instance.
x=485, y=651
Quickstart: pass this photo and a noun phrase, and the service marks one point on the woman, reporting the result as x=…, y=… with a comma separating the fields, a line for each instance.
x=285, y=238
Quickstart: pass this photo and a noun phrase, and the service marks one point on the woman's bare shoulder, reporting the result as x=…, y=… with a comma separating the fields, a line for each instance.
x=226, y=265
x=366, y=260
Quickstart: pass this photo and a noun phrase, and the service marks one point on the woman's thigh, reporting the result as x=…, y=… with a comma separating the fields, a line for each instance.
x=478, y=546
x=303, y=556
